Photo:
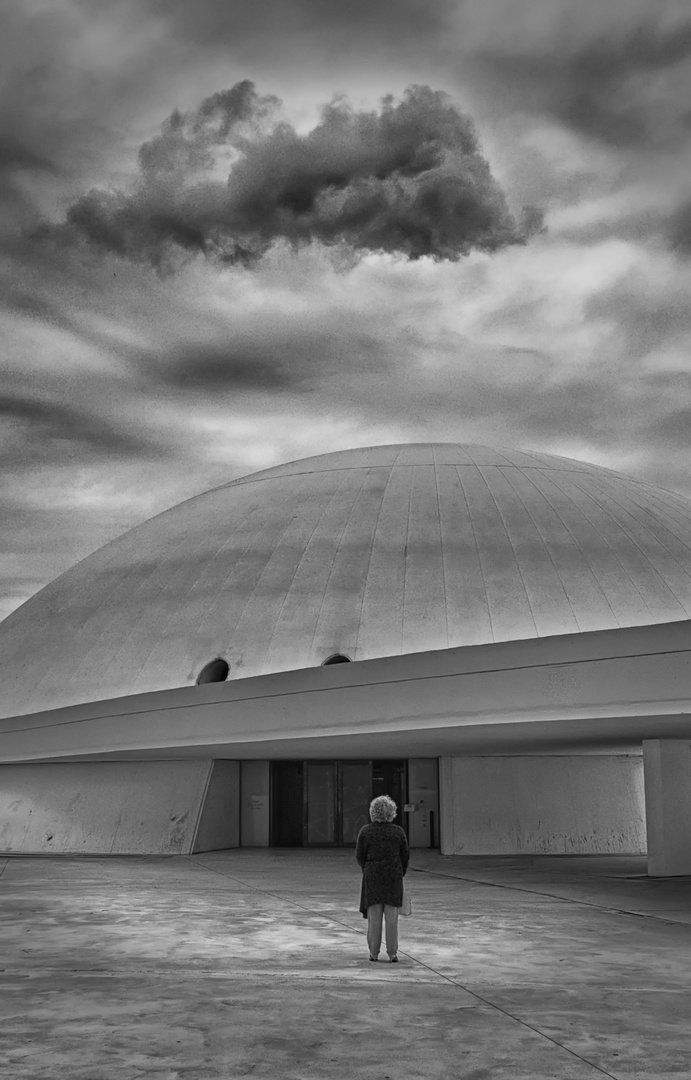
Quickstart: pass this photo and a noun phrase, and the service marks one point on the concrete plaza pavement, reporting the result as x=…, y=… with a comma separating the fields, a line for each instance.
x=254, y=963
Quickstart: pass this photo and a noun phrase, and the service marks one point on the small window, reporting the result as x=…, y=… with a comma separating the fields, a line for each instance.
x=215, y=671
x=337, y=658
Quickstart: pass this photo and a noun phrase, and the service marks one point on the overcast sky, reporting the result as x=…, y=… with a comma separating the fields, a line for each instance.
x=238, y=233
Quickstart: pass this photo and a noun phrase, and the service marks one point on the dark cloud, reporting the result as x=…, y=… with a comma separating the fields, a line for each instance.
x=226, y=367
x=624, y=87
x=672, y=429
x=679, y=229
x=277, y=353
x=407, y=179
x=51, y=429
x=332, y=25
x=17, y=160
x=15, y=156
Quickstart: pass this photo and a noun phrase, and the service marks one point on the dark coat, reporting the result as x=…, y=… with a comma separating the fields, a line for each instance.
x=382, y=852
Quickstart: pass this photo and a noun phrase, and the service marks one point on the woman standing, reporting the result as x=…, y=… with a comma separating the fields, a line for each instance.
x=382, y=852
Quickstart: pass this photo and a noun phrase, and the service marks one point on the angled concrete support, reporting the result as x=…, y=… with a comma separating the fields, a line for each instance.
x=218, y=824
x=667, y=765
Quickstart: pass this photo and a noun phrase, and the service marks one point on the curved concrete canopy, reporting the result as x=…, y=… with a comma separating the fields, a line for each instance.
x=369, y=552
x=598, y=692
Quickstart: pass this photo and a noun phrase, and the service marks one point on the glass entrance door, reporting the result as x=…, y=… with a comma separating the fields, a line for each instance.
x=287, y=803
x=321, y=784
x=356, y=782
x=388, y=778
x=337, y=796
x=326, y=803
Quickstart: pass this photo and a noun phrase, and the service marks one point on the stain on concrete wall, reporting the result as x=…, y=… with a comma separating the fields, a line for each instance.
x=124, y=807
x=543, y=805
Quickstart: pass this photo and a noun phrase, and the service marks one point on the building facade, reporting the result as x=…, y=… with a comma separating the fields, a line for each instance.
x=497, y=638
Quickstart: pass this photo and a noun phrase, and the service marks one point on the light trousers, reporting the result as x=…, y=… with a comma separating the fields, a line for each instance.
x=376, y=913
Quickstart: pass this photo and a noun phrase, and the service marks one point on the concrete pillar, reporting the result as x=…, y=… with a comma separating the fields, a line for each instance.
x=447, y=810
x=667, y=772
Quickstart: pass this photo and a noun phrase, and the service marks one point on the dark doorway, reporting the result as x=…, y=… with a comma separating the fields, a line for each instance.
x=388, y=778
x=287, y=803
x=356, y=785
x=326, y=803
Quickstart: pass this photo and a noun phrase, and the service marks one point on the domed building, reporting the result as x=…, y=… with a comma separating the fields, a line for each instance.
x=362, y=553
x=417, y=560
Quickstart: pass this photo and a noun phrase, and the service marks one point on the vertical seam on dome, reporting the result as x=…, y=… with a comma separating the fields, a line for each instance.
x=602, y=538
x=644, y=555
x=169, y=621
x=28, y=689
x=678, y=512
x=556, y=513
x=335, y=554
x=513, y=550
x=628, y=533
x=209, y=607
x=545, y=546
x=507, y=463
x=231, y=632
x=245, y=549
x=441, y=549
x=679, y=501
x=405, y=558
x=647, y=528
x=94, y=643
x=369, y=560
x=317, y=523
x=676, y=522
x=477, y=550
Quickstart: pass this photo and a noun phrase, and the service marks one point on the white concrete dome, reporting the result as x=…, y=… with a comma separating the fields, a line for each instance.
x=369, y=552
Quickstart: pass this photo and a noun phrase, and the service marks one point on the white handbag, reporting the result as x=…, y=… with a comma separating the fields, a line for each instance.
x=406, y=907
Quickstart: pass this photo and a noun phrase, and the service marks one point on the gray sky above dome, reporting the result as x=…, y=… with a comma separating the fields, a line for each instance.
x=173, y=316
x=370, y=552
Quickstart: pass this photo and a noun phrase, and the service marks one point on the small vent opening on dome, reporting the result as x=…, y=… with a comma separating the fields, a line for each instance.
x=215, y=671
x=337, y=658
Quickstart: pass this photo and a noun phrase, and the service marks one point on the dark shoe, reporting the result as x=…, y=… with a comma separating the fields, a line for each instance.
x=393, y=959
x=373, y=959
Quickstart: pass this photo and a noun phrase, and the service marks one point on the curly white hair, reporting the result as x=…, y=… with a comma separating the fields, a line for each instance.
x=383, y=808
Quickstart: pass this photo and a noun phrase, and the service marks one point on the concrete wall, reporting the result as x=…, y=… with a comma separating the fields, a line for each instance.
x=123, y=807
x=254, y=804
x=542, y=805
x=219, y=820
